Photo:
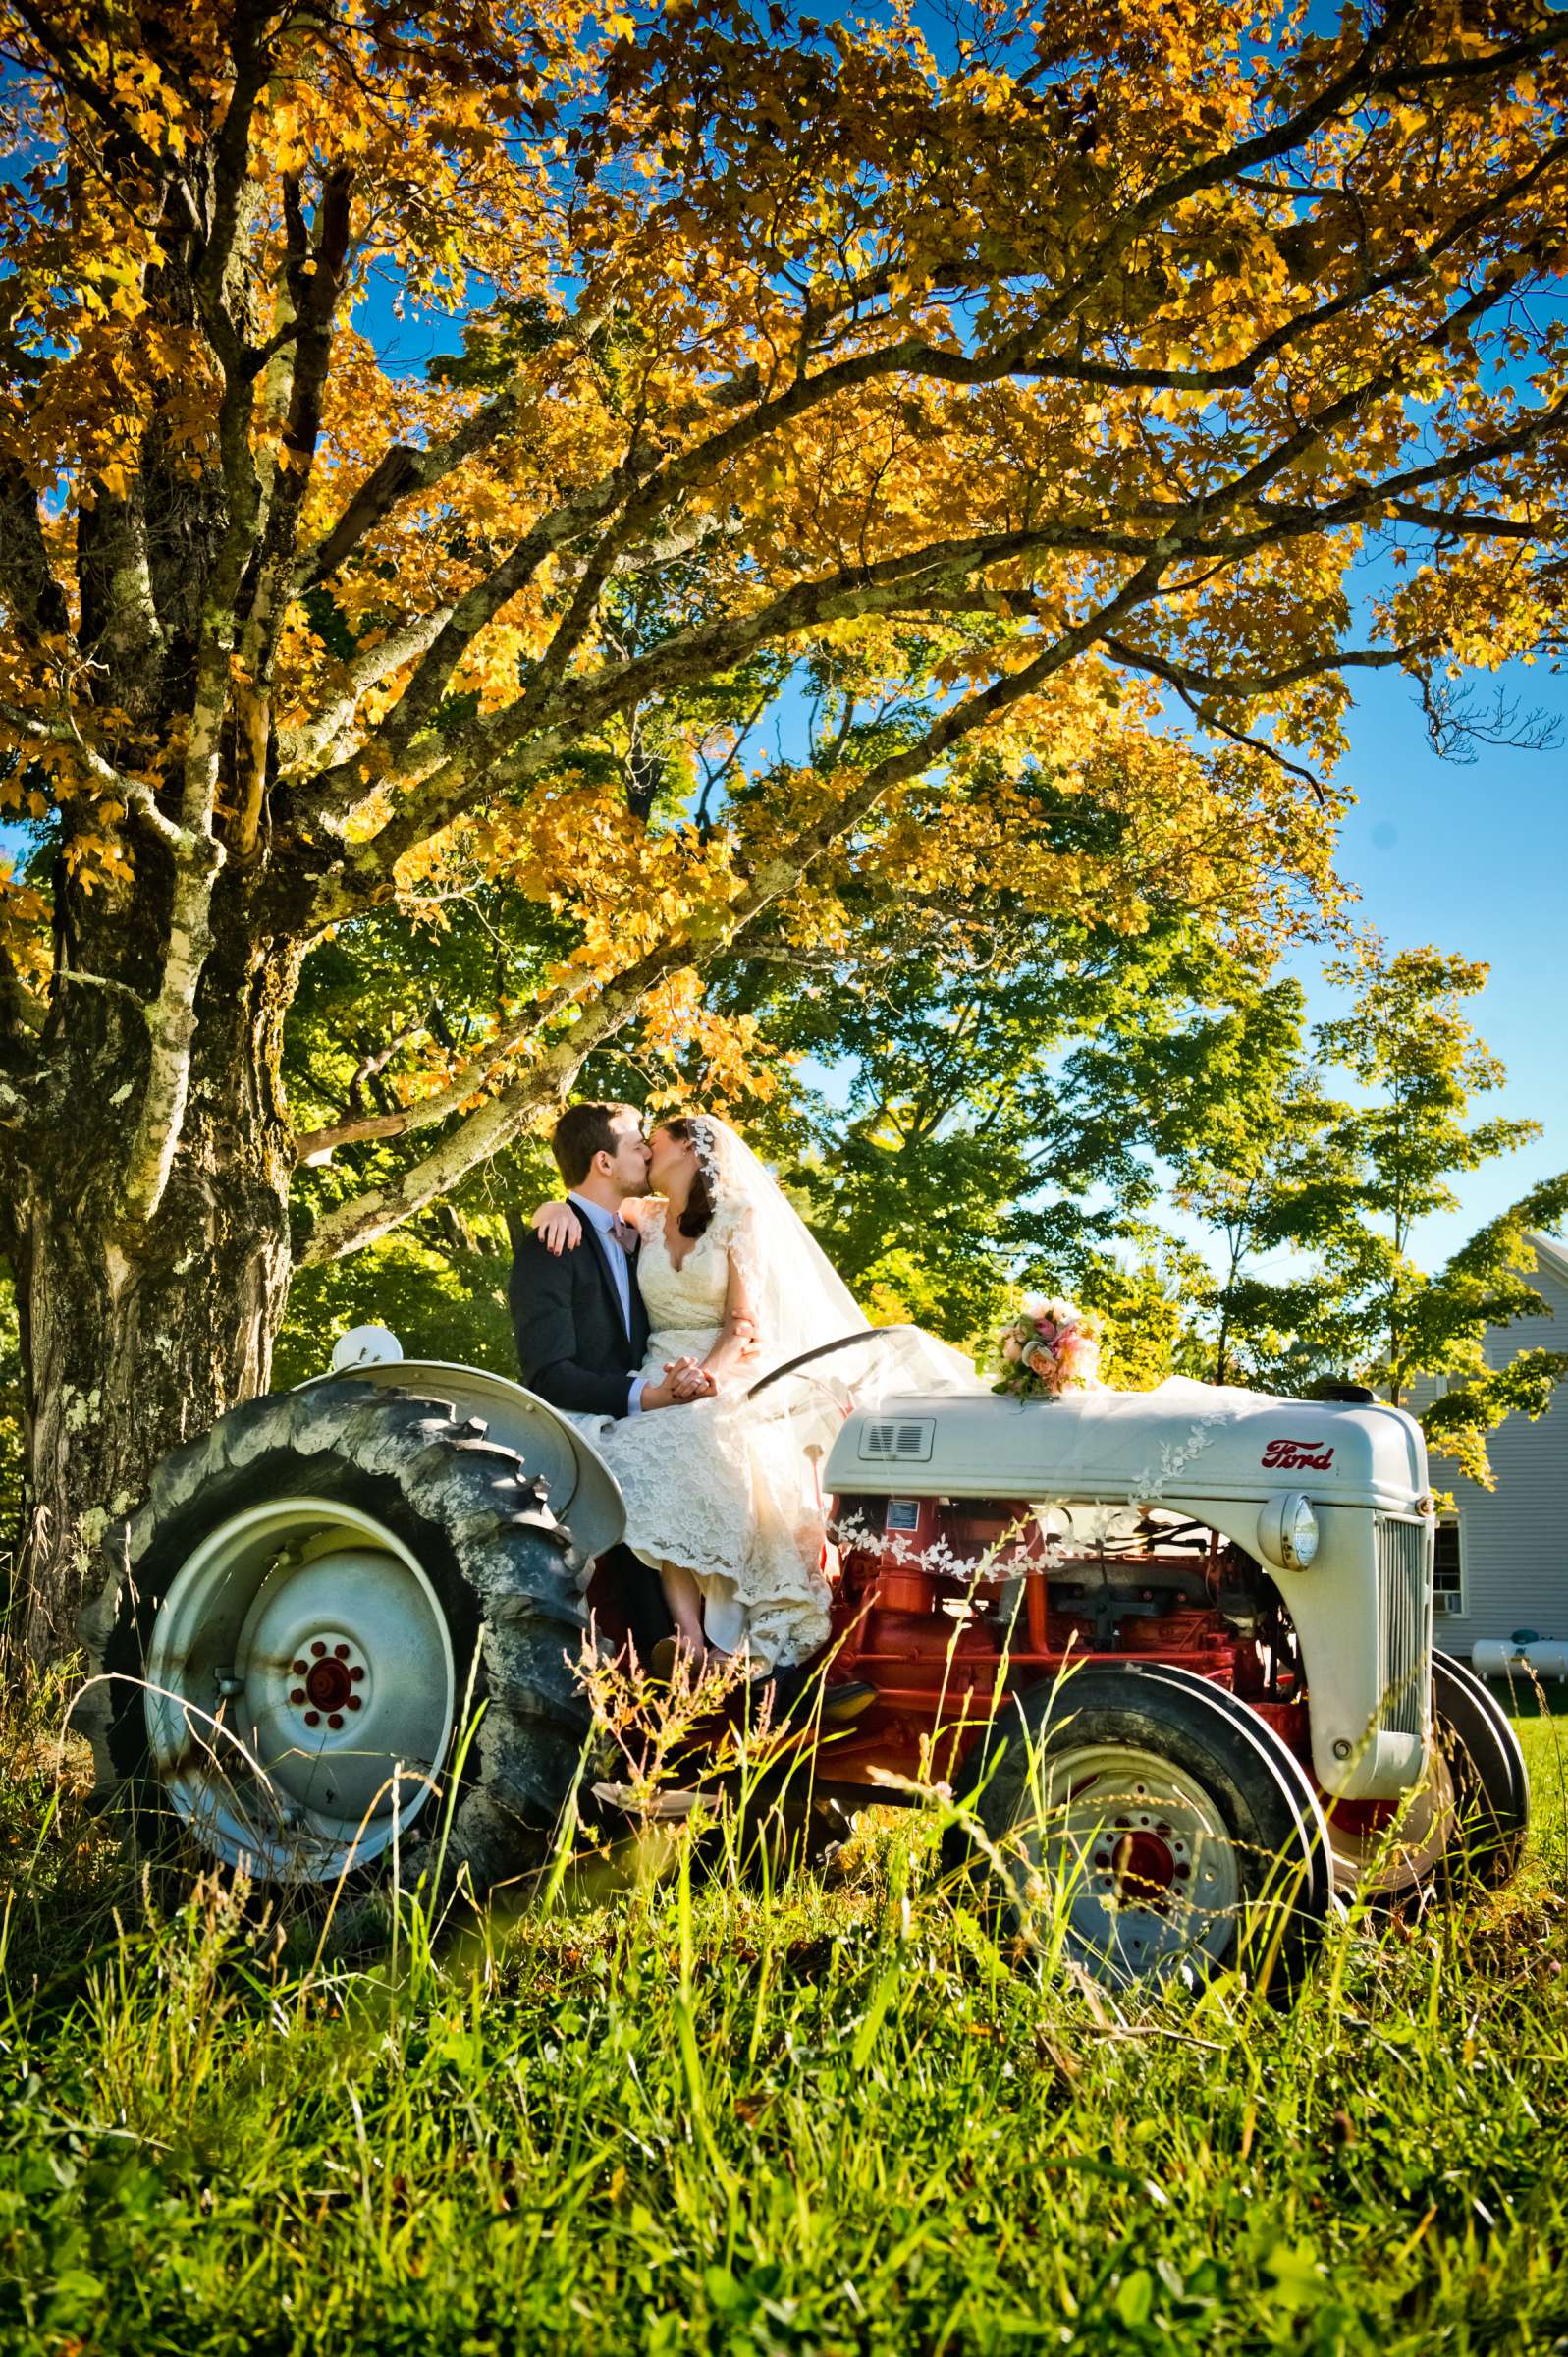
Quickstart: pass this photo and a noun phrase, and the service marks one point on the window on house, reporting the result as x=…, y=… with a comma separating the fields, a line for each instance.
x=1448, y=1571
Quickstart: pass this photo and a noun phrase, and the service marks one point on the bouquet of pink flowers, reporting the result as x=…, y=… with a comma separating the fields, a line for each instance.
x=1050, y=1347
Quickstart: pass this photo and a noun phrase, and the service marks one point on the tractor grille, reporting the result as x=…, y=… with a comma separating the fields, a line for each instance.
x=1404, y=1587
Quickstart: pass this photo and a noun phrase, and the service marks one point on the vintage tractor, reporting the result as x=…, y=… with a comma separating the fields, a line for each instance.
x=1169, y=1652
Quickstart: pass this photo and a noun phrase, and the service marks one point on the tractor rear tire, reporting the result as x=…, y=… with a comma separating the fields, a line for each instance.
x=1150, y=1830
x=298, y=1628
x=1464, y=1826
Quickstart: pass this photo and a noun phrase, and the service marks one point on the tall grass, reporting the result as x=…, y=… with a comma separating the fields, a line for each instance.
x=695, y=2114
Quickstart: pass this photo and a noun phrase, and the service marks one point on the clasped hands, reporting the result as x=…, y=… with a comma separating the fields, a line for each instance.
x=683, y=1379
x=687, y=1379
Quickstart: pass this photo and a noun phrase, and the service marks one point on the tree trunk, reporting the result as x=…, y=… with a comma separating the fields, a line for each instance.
x=131, y=1343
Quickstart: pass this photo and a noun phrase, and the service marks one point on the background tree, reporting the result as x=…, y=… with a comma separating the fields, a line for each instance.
x=1198, y=1102
x=979, y=1032
x=1021, y=382
x=1387, y=1162
x=1390, y=1158
x=1326, y=1191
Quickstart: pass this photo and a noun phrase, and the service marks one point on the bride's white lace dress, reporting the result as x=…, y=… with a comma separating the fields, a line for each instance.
x=721, y=1487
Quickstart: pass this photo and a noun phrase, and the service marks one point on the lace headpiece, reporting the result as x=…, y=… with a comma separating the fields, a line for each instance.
x=704, y=1141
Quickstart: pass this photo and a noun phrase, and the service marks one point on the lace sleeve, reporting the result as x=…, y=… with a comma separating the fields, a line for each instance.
x=725, y=1227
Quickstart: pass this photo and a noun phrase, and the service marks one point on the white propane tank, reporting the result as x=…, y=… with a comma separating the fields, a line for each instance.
x=1548, y=1659
x=1493, y=1656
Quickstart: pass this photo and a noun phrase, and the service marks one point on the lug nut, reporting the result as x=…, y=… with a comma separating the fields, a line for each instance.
x=313, y=1717
x=355, y=1703
x=298, y=1668
x=336, y=1719
x=358, y=1673
x=296, y=1693
x=342, y=1652
x=318, y=1649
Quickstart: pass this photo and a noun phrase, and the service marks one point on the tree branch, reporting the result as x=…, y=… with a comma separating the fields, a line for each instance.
x=950, y=366
x=350, y=1226
x=300, y=748
x=31, y=594
x=512, y=744
x=316, y=284
x=171, y=1029
x=88, y=90
x=554, y=1067
x=403, y=472
x=1247, y=687
x=390, y=746
x=646, y=495
x=1469, y=524
x=63, y=730
x=464, y=769
x=231, y=159
x=74, y=973
x=318, y=1145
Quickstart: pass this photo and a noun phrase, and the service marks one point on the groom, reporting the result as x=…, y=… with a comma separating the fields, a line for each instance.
x=581, y=1328
x=578, y=1317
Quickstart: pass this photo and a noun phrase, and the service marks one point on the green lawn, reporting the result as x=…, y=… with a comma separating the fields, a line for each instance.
x=690, y=2119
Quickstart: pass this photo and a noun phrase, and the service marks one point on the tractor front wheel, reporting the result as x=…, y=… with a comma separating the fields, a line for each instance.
x=1150, y=1830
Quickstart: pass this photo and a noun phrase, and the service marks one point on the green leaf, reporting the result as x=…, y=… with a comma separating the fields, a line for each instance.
x=1297, y=2273
x=1135, y=2297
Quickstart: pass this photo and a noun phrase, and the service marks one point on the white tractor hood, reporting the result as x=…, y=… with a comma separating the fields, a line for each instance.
x=1183, y=1442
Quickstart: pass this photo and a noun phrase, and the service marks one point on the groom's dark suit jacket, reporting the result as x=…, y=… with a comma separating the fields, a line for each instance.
x=573, y=1343
x=576, y=1353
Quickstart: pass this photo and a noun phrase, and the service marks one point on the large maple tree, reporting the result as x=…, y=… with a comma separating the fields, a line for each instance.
x=1031, y=372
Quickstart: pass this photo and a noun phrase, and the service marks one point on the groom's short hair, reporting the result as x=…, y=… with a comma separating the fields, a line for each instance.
x=583, y=1132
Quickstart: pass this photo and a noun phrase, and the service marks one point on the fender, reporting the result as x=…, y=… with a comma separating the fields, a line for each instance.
x=579, y=1486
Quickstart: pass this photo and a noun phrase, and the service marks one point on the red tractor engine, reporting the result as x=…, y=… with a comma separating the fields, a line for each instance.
x=932, y=1593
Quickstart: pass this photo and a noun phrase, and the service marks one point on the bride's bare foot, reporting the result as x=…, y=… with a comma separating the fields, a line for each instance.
x=682, y=1596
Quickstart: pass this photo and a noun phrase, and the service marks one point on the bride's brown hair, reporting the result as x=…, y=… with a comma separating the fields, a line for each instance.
x=692, y=1130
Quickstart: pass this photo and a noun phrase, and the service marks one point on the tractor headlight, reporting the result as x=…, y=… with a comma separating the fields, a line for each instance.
x=1287, y=1532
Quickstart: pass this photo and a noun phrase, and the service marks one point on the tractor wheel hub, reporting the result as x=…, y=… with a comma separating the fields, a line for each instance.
x=302, y=1689
x=1138, y=1853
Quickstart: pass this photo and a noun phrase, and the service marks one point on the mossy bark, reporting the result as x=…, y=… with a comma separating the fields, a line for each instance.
x=136, y=1336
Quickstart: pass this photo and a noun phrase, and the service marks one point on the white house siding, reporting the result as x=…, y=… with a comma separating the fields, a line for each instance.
x=1513, y=1540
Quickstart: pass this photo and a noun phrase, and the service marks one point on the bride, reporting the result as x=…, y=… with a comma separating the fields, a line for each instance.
x=724, y=1501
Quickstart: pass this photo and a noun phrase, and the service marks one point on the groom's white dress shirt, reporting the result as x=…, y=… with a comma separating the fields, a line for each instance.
x=604, y=1224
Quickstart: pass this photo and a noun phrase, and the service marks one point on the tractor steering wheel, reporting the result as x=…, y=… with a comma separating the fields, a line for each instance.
x=845, y=1341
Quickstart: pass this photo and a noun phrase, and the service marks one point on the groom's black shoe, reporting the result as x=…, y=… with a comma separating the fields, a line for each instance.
x=845, y=1701
x=793, y=1694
